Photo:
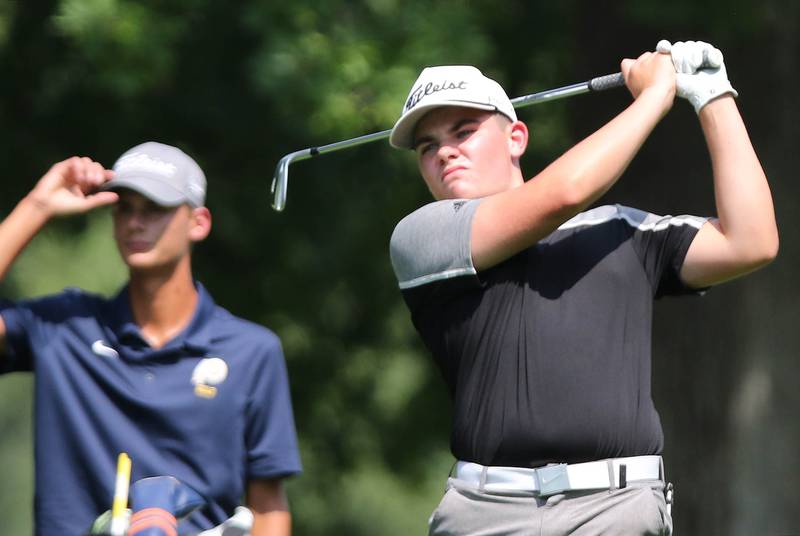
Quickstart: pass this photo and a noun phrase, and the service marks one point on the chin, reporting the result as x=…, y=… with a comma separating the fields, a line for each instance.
x=139, y=261
x=461, y=191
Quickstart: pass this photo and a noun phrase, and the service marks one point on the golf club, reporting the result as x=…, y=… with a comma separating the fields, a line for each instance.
x=281, y=178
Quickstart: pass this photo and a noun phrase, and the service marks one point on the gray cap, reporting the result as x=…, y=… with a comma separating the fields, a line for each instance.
x=162, y=173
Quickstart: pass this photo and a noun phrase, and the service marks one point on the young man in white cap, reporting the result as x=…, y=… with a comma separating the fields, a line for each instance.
x=538, y=311
x=159, y=371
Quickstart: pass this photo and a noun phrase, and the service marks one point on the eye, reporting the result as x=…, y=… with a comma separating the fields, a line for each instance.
x=425, y=148
x=464, y=133
x=151, y=210
x=120, y=208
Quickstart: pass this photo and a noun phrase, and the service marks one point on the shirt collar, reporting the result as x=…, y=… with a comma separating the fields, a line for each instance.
x=195, y=338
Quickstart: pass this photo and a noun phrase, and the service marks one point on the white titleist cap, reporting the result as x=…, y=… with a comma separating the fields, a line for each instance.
x=162, y=173
x=448, y=85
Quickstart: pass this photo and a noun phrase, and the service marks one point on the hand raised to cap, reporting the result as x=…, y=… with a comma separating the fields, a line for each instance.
x=70, y=187
x=701, y=74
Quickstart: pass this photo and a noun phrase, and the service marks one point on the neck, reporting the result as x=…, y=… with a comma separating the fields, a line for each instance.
x=163, y=301
x=517, y=178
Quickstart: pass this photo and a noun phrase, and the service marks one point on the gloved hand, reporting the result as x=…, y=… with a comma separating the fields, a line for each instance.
x=700, y=69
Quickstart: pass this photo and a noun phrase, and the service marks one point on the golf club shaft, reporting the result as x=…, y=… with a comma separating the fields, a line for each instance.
x=281, y=178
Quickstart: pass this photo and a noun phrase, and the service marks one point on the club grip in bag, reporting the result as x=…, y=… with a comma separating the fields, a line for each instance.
x=609, y=81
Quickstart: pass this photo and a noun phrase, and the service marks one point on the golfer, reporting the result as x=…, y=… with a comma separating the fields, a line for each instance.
x=537, y=308
x=158, y=371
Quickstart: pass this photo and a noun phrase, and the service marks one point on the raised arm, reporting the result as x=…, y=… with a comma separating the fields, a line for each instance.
x=511, y=221
x=744, y=236
x=67, y=188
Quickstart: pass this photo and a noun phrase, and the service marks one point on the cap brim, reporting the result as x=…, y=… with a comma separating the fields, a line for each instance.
x=155, y=190
x=402, y=135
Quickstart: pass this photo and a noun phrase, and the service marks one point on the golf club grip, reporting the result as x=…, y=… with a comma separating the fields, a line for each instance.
x=609, y=81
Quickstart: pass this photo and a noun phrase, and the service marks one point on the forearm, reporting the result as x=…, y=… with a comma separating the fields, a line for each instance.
x=513, y=220
x=743, y=199
x=590, y=168
x=274, y=523
x=27, y=218
x=268, y=502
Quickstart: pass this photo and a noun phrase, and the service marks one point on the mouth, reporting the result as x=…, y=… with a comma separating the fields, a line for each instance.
x=137, y=246
x=448, y=172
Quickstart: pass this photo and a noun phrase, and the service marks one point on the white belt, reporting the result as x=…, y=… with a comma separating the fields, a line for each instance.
x=557, y=478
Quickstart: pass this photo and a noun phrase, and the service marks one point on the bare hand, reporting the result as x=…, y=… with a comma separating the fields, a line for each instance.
x=650, y=71
x=70, y=187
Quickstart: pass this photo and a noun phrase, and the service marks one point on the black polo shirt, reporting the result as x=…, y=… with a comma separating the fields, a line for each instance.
x=546, y=355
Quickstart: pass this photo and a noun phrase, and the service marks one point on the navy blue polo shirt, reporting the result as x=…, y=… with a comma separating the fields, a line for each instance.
x=211, y=408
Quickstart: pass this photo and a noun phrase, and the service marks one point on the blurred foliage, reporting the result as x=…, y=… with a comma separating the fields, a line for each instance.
x=238, y=85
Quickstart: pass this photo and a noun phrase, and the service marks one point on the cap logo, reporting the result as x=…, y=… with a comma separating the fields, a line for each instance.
x=143, y=162
x=418, y=93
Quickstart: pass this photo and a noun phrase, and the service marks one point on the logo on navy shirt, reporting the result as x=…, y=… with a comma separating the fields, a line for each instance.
x=100, y=348
x=209, y=373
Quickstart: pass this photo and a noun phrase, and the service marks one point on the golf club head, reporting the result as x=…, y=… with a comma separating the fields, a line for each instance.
x=279, y=183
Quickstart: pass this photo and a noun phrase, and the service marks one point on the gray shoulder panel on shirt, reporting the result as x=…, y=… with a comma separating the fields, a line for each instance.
x=639, y=219
x=433, y=243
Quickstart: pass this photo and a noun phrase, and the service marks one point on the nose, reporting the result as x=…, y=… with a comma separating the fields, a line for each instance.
x=447, y=151
x=132, y=220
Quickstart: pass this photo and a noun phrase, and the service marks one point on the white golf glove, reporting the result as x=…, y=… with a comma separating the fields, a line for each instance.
x=701, y=74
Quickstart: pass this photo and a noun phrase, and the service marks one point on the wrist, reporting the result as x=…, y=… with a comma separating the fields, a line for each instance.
x=36, y=206
x=659, y=97
x=703, y=101
x=718, y=113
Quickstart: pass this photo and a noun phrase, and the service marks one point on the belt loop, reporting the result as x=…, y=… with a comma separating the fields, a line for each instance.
x=669, y=497
x=482, y=483
x=623, y=475
x=612, y=481
x=662, y=474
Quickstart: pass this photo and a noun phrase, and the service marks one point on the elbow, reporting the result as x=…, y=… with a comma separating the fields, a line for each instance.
x=763, y=252
x=771, y=250
x=770, y=246
x=581, y=187
x=572, y=197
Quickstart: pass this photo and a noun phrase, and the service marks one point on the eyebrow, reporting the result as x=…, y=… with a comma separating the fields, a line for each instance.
x=456, y=126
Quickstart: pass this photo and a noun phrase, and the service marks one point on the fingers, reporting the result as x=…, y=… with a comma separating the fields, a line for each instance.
x=85, y=173
x=71, y=186
x=648, y=69
x=692, y=56
x=101, y=199
x=627, y=64
x=625, y=67
x=651, y=73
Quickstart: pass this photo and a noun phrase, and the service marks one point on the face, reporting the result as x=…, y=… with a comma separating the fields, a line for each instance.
x=151, y=236
x=469, y=153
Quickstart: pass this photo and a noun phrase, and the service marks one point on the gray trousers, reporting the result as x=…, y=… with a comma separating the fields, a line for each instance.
x=638, y=509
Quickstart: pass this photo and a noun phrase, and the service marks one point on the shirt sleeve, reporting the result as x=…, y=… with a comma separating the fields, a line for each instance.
x=433, y=243
x=271, y=438
x=662, y=243
x=17, y=355
x=28, y=325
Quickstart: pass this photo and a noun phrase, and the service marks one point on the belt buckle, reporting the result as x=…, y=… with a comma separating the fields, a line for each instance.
x=553, y=479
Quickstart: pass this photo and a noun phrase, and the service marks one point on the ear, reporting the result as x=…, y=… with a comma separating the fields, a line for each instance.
x=200, y=225
x=517, y=139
